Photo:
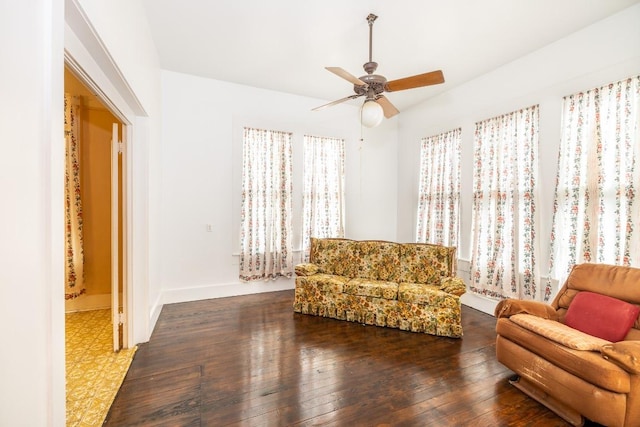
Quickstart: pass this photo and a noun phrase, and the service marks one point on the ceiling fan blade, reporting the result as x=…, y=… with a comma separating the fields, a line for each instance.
x=426, y=79
x=346, y=75
x=339, y=101
x=389, y=109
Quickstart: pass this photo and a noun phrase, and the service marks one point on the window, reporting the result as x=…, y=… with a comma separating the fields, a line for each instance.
x=439, y=191
x=504, y=248
x=265, y=241
x=596, y=211
x=323, y=193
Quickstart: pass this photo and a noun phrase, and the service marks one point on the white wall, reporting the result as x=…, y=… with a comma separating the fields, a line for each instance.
x=31, y=218
x=32, y=367
x=601, y=53
x=201, y=177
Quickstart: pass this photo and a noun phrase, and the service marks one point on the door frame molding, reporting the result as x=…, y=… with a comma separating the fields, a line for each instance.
x=88, y=58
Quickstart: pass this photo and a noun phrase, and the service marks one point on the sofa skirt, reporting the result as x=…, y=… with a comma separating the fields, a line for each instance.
x=441, y=321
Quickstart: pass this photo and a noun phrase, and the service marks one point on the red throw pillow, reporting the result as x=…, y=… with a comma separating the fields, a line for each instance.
x=601, y=316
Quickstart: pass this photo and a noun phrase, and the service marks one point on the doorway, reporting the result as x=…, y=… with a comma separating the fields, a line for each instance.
x=95, y=325
x=101, y=176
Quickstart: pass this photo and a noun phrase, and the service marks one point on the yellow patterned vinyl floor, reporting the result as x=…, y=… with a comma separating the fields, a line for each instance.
x=94, y=371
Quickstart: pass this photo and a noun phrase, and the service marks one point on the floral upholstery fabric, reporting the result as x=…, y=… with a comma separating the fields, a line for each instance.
x=306, y=269
x=378, y=260
x=334, y=256
x=426, y=263
x=426, y=294
x=453, y=285
x=325, y=282
x=372, y=288
x=407, y=286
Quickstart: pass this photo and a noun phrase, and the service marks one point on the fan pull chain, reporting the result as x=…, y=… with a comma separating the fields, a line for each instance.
x=361, y=131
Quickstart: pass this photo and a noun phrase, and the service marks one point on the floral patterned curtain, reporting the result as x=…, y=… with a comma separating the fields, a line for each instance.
x=504, y=246
x=439, y=193
x=74, y=271
x=323, y=193
x=596, y=209
x=265, y=240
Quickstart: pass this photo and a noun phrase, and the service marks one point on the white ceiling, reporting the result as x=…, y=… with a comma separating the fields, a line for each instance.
x=284, y=45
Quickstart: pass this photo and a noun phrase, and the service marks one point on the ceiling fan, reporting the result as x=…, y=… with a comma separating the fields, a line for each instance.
x=372, y=87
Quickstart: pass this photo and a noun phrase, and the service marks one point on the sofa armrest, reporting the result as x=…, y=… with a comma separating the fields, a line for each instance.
x=626, y=354
x=306, y=269
x=509, y=307
x=453, y=285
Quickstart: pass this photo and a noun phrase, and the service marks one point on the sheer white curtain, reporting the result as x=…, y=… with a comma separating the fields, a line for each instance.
x=323, y=193
x=596, y=209
x=74, y=242
x=265, y=241
x=504, y=245
x=439, y=192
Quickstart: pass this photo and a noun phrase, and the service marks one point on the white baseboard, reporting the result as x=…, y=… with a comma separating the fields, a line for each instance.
x=88, y=302
x=195, y=293
x=170, y=296
x=478, y=302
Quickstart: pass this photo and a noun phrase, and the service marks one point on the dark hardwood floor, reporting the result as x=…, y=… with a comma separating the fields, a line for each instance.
x=252, y=361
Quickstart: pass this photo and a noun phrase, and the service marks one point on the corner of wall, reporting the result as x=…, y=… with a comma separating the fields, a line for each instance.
x=154, y=314
x=477, y=302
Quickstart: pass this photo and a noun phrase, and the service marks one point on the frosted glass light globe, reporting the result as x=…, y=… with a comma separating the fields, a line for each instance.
x=371, y=114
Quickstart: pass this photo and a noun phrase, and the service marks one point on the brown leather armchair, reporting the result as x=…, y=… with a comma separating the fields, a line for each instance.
x=580, y=355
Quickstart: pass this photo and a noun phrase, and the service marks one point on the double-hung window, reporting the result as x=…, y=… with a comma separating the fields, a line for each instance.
x=505, y=194
x=596, y=208
x=265, y=241
x=439, y=190
x=323, y=190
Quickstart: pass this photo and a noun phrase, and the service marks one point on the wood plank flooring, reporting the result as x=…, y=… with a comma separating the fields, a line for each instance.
x=252, y=361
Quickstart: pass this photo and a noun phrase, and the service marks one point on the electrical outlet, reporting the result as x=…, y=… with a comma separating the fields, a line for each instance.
x=209, y=228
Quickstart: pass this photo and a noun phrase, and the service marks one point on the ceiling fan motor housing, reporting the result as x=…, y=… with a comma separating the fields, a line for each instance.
x=373, y=82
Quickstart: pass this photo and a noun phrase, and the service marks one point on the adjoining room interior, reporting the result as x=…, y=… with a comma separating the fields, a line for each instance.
x=96, y=361
x=94, y=163
x=191, y=83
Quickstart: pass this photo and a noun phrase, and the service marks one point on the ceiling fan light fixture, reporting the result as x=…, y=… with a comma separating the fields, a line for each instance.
x=371, y=114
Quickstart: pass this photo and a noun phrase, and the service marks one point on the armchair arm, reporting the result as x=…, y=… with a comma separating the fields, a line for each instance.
x=306, y=269
x=453, y=285
x=509, y=307
x=626, y=354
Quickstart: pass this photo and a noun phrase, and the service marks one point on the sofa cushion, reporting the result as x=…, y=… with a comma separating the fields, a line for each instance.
x=558, y=332
x=428, y=295
x=334, y=256
x=601, y=316
x=377, y=260
x=611, y=280
x=372, y=288
x=426, y=263
x=323, y=282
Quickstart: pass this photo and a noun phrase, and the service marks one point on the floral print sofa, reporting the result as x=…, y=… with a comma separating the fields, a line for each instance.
x=410, y=286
